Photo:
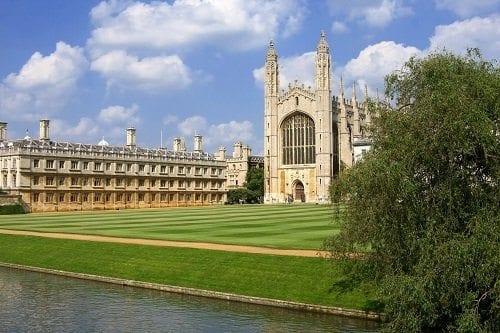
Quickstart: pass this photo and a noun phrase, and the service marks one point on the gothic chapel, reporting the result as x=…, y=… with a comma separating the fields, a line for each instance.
x=308, y=134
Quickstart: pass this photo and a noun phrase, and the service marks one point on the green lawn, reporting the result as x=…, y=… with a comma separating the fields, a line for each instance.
x=308, y=280
x=275, y=226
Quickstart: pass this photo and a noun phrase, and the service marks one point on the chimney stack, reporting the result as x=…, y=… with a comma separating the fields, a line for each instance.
x=177, y=144
x=44, y=129
x=197, y=143
x=246, y=151
x=238, y=150
x=131, y=137
x=221, y=156
x=3, y=132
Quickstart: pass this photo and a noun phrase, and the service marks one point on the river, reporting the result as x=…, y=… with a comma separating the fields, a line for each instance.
x=37, y=302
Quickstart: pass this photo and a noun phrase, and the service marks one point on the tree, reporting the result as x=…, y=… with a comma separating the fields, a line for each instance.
x=239, y=195
x=252, y=190
x=254, y=181
x=423, y=204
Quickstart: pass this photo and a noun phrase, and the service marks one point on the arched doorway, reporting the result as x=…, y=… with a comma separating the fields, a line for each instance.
x=299, y=191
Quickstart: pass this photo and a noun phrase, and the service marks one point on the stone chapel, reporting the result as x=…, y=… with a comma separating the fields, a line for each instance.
x=308, y=133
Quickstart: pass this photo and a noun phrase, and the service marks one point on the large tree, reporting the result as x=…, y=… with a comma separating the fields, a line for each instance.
x=423, y=205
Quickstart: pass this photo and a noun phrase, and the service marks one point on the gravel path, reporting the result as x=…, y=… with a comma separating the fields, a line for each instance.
x=194, y=245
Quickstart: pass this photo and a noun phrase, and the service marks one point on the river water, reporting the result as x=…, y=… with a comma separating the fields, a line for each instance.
x=37, y=302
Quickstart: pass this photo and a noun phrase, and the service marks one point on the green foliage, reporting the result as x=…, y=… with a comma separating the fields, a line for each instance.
x=252, y=191
x=11, y=209
x=423, y=204
x=240, y=195
x=255, y=181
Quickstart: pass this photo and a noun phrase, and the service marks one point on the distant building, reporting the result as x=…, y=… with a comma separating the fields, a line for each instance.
x=308, y=134
x=64, y=176
x=239, y=164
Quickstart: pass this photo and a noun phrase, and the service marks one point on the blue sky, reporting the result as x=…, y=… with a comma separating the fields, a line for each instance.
x=176, y=68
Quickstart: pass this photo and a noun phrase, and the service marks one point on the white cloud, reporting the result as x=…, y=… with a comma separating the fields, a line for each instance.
x=106, y=9
x=169, y=119
x=339, y=27
x=373, y=13
x=80, y=132
x=228, y=133
x=233, y=24
x=119, y=115
x=468, y=8
x=483, y=33
x=373, y=63
x=300, y=68
x=378, y=60
x=217, y=135
x=110, y=124
x=192, y=125
x=44, y=84
x=149, y=74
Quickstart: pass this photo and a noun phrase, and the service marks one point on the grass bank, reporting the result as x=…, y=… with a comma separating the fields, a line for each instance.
x=274, y=226
x=307, y=280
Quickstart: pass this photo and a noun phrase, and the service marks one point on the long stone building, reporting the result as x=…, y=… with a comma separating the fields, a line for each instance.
x=308, y=133
x=63, y=176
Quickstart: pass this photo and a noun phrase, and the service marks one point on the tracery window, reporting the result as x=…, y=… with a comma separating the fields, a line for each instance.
x=298, y=140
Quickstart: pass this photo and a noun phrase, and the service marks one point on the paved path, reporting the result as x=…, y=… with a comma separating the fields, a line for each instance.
x=194, y=245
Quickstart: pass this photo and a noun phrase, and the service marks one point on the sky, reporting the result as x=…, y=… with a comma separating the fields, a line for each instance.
x=179, y=68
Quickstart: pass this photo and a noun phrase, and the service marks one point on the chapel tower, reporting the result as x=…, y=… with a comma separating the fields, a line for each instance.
x=271, y=88
x=324, y=153
x=298, y=149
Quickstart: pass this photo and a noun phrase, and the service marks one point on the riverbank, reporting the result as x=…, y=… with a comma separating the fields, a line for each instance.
x=207, y=293
x=297, y=281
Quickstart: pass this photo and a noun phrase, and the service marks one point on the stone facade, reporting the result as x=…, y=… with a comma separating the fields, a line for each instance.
x=63, y=176
x=239, y=164
x=308, y=133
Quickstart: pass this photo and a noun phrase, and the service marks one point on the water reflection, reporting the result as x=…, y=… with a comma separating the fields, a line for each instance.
x=36, y=302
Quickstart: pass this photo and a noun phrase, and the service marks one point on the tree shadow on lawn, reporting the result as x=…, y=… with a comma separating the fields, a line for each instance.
x=359, y=289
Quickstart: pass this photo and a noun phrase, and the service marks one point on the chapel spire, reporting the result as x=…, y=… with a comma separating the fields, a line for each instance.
x=323, y=65
x=341, y=88
x=354, y=97
x=323, y=44
x=271, y=52
x=271, y=80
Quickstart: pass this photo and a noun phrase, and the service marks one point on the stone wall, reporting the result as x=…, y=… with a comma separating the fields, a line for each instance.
x=8, y=200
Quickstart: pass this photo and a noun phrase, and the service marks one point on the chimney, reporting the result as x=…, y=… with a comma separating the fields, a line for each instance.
x=177, y=144
x=237, y=150
x=44, y=129
x=131, y=137
x=197, y=143
x=3, y=132
x=246, y=151
x=221, y=156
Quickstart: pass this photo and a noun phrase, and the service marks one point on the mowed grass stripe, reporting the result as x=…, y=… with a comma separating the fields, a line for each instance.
x=233, y=220
x=261, y=225
x=192, y=214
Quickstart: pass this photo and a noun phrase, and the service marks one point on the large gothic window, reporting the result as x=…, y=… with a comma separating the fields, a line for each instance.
x=298, y=140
